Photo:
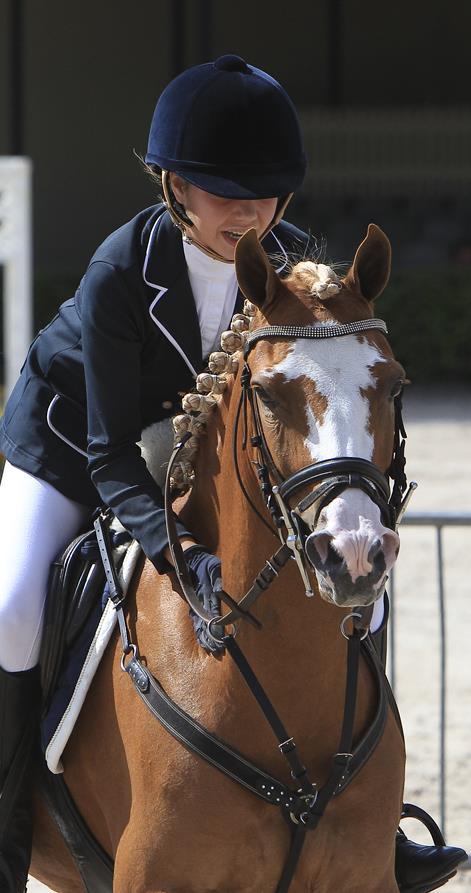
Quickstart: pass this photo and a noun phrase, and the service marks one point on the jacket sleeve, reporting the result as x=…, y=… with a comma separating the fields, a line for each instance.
x=112, y=339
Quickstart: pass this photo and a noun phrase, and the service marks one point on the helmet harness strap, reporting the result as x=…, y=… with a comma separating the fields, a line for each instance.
x=182, y=221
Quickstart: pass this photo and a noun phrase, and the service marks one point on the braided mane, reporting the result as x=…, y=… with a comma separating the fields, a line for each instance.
x=313, y=278
x=210, y=385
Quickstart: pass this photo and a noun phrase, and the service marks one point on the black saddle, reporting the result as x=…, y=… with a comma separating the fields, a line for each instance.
x=76, y=584
x=76, y=588
x=76, y=591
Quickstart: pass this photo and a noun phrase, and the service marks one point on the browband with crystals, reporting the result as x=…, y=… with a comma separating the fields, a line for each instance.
x=327, y=331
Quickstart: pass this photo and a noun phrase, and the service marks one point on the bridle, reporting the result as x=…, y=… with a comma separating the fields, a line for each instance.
x=331, y=476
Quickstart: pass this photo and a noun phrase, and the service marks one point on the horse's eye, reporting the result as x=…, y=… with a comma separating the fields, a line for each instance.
x=397, y=387
x=266, y=399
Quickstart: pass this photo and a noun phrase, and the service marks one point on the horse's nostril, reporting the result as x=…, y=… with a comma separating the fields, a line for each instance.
x=322, y=555
x=333, y=557
x=375, y=549
x=317, y=548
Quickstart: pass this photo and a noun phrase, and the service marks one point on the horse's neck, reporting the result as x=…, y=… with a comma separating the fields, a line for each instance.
x=224, y=521
x=218, y=510
x=299, y=654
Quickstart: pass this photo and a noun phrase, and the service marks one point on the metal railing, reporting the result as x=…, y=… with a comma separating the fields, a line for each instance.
x=439, y=521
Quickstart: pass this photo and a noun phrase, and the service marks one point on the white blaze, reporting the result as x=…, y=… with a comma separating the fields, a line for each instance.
x=341, y=370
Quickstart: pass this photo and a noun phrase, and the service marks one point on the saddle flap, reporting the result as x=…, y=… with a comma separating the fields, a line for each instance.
x=75, y=587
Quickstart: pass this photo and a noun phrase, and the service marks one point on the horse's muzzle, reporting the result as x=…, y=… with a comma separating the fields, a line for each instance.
x=338, y=582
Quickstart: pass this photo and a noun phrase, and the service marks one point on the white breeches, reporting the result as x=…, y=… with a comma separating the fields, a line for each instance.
x=36, y=523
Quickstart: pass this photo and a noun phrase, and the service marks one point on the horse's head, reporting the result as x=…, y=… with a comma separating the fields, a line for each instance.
x=319, y=399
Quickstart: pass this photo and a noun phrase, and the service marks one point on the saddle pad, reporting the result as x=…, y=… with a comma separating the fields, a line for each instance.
x=77, y=676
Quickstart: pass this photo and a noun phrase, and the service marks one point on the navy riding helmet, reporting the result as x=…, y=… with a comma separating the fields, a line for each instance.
x=230, y=129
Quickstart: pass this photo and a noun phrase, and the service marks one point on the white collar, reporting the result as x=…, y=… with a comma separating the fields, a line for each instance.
x=200, y=264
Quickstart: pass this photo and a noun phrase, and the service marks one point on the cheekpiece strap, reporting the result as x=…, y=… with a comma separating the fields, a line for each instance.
x=396, y=470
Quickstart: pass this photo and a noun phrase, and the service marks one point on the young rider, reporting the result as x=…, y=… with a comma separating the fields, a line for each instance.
x=151, y=306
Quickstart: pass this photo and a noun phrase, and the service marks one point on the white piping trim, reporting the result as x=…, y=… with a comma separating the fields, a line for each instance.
x=57, y=432
x=284, y=252
x=161, y=291
x=146, y=259
x=167, y=333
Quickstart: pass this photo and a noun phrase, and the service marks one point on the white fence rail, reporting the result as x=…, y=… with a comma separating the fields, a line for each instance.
x=438, y=521
x=16, y=259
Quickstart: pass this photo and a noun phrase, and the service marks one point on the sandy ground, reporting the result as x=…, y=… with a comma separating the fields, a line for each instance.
x=438, y=457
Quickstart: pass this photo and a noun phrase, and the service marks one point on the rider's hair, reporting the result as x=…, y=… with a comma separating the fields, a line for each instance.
x=155, y=173
x=152, y=171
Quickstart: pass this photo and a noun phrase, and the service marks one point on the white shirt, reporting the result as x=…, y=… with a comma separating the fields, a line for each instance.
x=214, y=287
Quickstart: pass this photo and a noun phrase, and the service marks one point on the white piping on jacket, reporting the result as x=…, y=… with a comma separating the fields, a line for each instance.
x=161, y=291
x=59, y=433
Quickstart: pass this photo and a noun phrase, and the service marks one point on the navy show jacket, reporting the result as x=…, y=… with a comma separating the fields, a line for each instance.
x=115, y=359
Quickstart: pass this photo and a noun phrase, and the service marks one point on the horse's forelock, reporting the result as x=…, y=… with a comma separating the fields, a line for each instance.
x=315, y=279
x=307, y=271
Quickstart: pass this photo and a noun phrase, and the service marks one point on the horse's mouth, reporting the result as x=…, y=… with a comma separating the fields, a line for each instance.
x=346, y=594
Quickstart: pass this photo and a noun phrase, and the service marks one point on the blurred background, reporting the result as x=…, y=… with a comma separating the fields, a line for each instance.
x=384, y=94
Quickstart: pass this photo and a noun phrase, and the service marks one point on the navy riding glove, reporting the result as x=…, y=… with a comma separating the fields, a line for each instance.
x=205, y=570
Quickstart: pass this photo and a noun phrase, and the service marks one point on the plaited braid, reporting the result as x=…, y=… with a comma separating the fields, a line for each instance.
x=210, y=385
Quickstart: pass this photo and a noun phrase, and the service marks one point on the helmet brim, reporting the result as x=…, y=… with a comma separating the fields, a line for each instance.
x=243, y=185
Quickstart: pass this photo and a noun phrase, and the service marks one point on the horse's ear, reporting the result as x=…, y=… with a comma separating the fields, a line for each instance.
x=255, y=274
x=371, y=267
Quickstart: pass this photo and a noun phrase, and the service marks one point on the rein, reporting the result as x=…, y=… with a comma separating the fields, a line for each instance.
x=303, y=806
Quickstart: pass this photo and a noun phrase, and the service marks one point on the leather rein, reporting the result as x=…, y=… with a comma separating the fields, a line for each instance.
x=304, y=804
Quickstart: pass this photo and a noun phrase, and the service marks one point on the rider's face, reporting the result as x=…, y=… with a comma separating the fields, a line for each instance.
x=219, y=222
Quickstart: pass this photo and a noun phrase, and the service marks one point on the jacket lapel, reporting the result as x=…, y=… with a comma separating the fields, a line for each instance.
x=172, y=309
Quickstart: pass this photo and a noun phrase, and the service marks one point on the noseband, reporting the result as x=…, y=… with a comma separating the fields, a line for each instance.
x=331, y=476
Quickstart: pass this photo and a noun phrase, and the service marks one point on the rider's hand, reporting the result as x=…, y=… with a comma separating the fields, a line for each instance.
x=205, y=569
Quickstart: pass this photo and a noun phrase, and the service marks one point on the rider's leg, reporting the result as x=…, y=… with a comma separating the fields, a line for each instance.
x=419, y=869
x=36, y=522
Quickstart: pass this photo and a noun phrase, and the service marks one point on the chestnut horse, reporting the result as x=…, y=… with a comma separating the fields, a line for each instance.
x=170, y=821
